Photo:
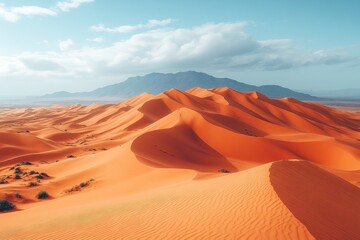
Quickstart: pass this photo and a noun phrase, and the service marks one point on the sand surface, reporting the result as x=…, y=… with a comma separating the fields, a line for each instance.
x=150, y=169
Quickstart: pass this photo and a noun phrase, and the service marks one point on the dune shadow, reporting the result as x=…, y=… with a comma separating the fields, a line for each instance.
x=327, y=205
x=178, y=147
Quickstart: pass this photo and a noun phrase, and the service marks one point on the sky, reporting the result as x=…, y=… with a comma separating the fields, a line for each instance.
x=80, y=45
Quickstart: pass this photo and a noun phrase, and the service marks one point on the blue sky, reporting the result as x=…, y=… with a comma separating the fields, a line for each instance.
x=79, y=45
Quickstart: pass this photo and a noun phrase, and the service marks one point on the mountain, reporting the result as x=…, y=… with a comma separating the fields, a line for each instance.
x=156, y=83
x=340, y=94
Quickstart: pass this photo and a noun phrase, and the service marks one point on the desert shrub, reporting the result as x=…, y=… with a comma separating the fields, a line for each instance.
x=5, y=205
x=39, y=177
x=223, y=170
x=80, y=186
x=44, y=174
x=17, y=195
x=17, y=170
x=17, y=176
x=25, y=163
x=32, y=184
x=71, y=156
x=33, y=172
x=3, y=181
x=42, y=195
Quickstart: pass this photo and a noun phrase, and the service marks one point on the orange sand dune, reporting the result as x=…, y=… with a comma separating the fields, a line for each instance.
x=150, y=169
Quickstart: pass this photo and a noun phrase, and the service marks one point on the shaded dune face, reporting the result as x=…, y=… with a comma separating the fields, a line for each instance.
x=327, y=205
x=166, y=165
x=178, y=147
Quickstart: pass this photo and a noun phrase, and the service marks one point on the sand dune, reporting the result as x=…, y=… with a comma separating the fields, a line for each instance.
x=150, y=168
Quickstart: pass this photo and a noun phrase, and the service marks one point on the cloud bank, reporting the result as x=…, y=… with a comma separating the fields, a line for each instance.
x=209, y=47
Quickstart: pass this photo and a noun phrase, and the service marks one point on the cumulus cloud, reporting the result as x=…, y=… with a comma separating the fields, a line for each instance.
x=71, y=4
x=13, y=14
x=210, y=47
x=152, y=23
x=66, y=44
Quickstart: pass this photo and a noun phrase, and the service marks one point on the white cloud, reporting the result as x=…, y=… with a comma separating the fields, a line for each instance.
x=152, y=23
x=13, y=14
x=45, y=42
x=71, y=4
x=210, y=47
x=32, y=10
x=120, y=29
x=97, y=39
x=66, y=44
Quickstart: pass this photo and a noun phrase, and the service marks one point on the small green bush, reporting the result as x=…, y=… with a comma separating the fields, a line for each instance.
x=42, y=195
x=5, y=205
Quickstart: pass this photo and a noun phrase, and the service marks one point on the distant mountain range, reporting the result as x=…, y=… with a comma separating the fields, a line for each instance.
x=341, y=93
x=156, y=83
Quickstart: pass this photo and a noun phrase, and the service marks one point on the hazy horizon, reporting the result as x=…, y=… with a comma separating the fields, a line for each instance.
x=81, y=45
x=319, y=93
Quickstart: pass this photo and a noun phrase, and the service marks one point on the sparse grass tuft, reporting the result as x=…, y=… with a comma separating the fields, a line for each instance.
x=80, y=186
